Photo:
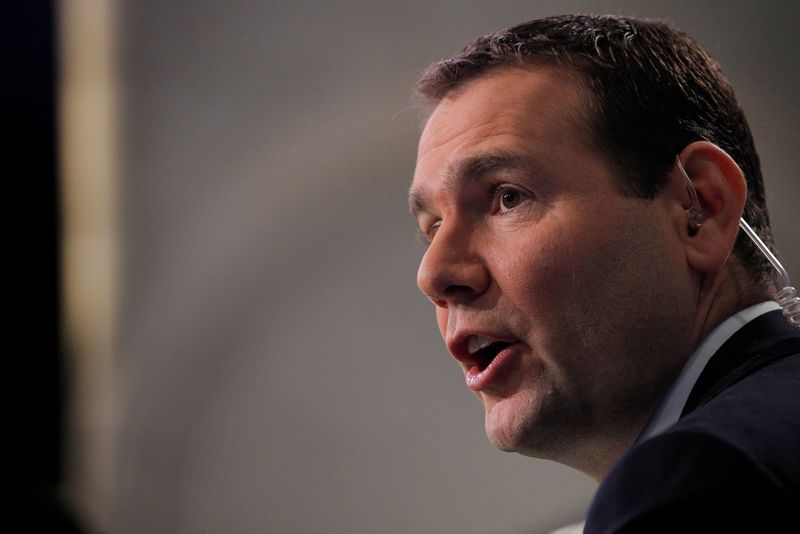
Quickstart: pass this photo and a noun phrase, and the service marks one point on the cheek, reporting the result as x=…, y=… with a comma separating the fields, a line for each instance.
x=553, y=280
x=530, y=268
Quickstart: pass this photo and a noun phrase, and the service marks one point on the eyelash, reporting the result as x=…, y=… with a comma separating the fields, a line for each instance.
x=495, y=197
x=427, y=234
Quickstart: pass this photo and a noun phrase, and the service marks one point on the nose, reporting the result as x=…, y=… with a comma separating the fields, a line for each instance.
x=452, y=271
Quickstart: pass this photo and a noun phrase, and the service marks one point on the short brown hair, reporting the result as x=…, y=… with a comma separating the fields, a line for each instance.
x=656, y=90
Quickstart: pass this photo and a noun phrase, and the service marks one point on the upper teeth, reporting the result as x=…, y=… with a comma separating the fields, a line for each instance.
x=476, y=343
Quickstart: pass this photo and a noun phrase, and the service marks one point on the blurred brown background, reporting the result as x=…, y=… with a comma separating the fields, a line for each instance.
x=246, y=347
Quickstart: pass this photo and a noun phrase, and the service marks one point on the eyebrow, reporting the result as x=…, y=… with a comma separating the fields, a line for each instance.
x=471, y=169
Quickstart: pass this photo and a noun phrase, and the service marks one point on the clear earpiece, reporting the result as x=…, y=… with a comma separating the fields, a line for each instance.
x=696, y=217
x=695, y=212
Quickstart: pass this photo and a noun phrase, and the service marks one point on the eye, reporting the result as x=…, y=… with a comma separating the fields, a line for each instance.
x=509, y=198
x=429, y=232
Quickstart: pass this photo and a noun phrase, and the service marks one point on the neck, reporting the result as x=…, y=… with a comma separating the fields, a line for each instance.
x=720, y=295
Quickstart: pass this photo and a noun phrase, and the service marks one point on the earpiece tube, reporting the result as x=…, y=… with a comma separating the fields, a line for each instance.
x=786, y=297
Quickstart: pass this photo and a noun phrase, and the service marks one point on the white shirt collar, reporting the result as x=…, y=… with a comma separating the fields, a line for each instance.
x=671, y=406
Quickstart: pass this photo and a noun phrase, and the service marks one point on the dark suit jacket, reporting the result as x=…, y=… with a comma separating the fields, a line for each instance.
x=732, y=461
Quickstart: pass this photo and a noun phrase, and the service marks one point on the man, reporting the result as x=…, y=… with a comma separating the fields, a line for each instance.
x=580, y=182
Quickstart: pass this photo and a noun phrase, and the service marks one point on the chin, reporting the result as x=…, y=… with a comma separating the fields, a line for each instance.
x=522, y=425
x=508, y=426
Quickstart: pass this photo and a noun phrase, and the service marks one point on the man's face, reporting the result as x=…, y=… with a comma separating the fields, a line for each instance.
x=564, y=301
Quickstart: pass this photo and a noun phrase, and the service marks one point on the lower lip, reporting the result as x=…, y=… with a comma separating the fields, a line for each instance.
x=479, y=379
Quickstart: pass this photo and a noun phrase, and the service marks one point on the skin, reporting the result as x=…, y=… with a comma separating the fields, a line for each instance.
x=531, y=239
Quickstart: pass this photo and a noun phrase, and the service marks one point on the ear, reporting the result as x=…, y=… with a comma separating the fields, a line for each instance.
x=722, y=192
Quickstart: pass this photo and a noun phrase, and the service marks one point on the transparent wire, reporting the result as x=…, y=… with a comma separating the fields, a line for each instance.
x=786, y=297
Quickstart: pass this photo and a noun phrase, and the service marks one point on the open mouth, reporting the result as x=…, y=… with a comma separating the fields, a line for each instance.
x=484, y=349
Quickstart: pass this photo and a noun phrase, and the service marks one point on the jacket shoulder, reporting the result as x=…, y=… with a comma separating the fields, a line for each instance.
x=686, y=481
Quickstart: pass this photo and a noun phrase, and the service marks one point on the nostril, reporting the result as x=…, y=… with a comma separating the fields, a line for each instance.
x=454, y=290
x=453, y=294
x=440, y=303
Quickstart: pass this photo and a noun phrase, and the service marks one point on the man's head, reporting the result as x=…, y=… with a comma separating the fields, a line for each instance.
x=653, y=91
x=566, y=279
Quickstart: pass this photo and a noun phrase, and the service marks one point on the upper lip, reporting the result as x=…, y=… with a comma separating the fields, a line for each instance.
x=458, y=344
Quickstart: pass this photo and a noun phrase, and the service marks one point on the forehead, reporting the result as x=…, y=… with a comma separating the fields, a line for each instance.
x=538, y=112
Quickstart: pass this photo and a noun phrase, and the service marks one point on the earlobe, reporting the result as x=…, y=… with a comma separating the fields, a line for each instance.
x=717, y=193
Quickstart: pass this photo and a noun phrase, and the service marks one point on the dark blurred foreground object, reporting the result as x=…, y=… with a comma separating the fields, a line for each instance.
x=31, y=315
